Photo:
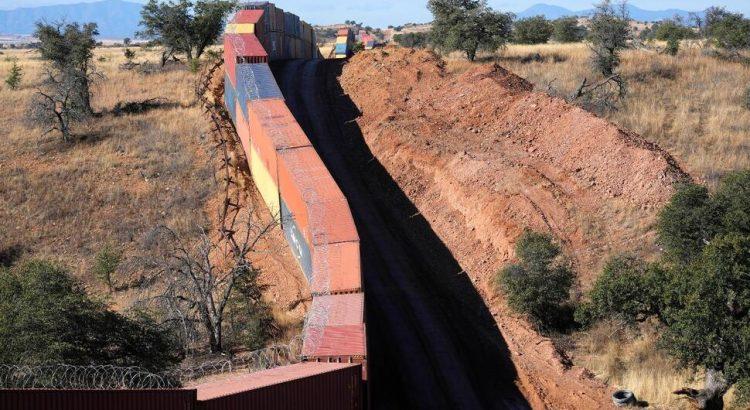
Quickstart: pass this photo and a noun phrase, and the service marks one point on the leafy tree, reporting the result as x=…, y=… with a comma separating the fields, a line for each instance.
x=609, y=32
x=468, y=26
x=105, y=265
x=672, y=29
x=14, y=76
x=532, y=30
x=69, y=48
x=708, y=322
x=184, y=26
x=538, y=285
x=687, y=223
x=673, y=46
x=702, y=296
x=413, y=40
x=728, y=30
x=126, y=41
x=567, y=30
x=46, y=316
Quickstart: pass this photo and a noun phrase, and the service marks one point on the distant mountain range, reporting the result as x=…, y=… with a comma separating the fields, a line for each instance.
x=117, y=19
x=553, y=12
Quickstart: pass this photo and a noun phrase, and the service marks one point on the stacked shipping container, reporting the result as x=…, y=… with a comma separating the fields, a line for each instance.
x=293, y=181
x=344, y=43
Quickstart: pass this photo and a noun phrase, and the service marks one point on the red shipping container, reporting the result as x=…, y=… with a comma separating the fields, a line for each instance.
x=303, y=386
x=335, y=327
x=247, y=49
x=248, y=17
x=230, y=61
x=36, y=399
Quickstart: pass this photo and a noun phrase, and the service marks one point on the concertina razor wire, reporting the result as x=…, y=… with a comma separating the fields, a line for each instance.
x=109, y=377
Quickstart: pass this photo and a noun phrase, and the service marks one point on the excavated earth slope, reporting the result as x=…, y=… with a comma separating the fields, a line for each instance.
x=483, y=157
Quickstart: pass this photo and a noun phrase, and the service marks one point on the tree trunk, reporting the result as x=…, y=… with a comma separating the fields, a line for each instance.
x=711, y=397
x=471, y=54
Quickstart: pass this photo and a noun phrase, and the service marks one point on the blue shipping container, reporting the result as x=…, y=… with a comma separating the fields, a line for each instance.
x=341, y=49
x=296, y=241
x=255, y=82
x=230, y=98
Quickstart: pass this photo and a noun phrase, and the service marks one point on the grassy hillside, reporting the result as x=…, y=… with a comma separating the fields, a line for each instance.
x=691, y=104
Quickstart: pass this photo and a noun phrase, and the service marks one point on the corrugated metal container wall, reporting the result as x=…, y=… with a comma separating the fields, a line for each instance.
x=339, y=388
x=297, y=242
x=264, y=180
x=337, y=269
x=97, y=399
x=243, y=131
x=230, y=60
x=313, y=197
x=259, y=83
x=230, y=98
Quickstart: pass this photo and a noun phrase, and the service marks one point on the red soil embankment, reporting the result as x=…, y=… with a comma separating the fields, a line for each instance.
x=483, y=157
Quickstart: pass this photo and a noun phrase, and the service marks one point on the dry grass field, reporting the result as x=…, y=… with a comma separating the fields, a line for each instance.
x=691, y=104
x=123, y=177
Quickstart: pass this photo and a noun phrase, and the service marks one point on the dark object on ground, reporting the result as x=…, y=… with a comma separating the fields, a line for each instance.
x=138, y=107
x=622, y=398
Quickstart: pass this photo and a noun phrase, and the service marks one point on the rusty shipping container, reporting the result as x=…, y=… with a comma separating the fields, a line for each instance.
x=339, y=333
x=303, y=386
x=38, y=399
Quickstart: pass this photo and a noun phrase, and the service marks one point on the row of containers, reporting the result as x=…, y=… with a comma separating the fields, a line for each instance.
x=303, y=196
x=281, y=35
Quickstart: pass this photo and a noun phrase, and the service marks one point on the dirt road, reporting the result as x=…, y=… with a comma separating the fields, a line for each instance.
x=432, y=341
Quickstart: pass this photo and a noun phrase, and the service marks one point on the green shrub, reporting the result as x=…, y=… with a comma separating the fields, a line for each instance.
x=46, y=316
x=538, y=286
x=567, y=30
x=105, y=265
x=532, y=30
x=622, y=290
x=673, y=46
x=14, y=76
x=746, y=98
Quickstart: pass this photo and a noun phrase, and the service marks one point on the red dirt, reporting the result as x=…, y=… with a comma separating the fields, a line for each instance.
x=483, y=157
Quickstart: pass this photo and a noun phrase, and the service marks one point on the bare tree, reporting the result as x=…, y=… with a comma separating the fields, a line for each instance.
x=57, y=102
x=199, y=280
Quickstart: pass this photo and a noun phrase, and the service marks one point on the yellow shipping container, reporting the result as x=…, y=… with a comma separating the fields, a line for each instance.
x=240, y=28
x=266, y=185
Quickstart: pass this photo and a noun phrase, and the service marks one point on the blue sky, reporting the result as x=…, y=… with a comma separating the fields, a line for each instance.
x=383, y=12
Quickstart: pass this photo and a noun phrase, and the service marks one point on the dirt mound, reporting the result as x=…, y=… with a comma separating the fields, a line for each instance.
x=483, y=157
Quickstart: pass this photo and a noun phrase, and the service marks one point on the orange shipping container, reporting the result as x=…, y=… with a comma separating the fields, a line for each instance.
x=316, y=202
x=243, y=130
x=278, y=123
x=336, y=268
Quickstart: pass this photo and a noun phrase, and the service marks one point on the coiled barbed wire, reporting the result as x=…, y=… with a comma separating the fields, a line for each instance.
x=108, y=377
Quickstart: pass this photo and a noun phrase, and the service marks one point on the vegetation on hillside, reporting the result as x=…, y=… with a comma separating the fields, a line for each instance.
x=47, y=317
